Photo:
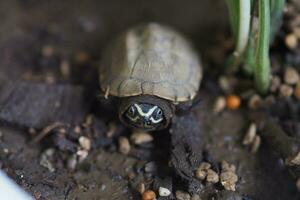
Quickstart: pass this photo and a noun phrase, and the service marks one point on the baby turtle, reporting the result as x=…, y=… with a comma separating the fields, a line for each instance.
x=151, y=69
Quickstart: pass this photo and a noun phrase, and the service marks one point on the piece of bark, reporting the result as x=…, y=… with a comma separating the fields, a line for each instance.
x=186, y=149
x=30, y=104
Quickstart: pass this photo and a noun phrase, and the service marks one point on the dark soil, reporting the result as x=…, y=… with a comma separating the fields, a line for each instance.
x=50, y=52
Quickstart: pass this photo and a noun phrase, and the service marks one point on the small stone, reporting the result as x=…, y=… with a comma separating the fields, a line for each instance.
x=285, y=90
x=180, y=195
x=255, y=144
x=275, y=83
x=269, y=100
x=201, y=172
x=164, y=192
x=255, y=102
x=77, y=130
x=297, y=91
x=46, y=159
x=47, y=51
x=82, y=57
x=195, y=197
x=149, y=195
x=140, y=137
x=220, y=104
x=250, y=135
x=85, y=143
x=112, y=128
x=82, y=154
x=293, y=160
x=150, y=167
x=291, y=76
x=141, y=188
x=298, y=184
x=212, y=176
x=65, y=69
x=224, y=83
x=124, y=145
x=32, y=131
x=291, y=41
x=72, y=162
x=88, y=120
x=227, y=167
x=297, y=32
x=228, y=180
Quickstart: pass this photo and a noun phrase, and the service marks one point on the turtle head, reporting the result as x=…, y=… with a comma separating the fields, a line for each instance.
x=146, y=115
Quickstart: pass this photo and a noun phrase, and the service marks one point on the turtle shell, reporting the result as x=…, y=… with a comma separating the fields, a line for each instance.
x=151, y=59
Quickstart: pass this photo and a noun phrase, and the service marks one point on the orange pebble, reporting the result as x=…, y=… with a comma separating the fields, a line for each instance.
x=233, y=102
x=149, y=195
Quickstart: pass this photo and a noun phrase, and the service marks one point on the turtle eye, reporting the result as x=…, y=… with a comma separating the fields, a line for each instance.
x=159, y=113
x=131, y=110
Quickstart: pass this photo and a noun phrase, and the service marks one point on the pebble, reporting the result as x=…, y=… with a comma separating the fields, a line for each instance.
x=180, y=195
x=291, y=41
x=149, y=195
x=82, y=154
x=224, y=84
x=47, y=51
x=291, y=76
x=85, y=143
x=112, y=128
x=77, y=129
x=150, y=167
x=255, y=102
x=250, y=135
x=72, y=162
x=228, y=180
x=65, y=69
x=82, y=57
x=212, y=176
x=46, y=159
x=297, y=91
x=228, y=177
x=293, y=160
x=220, y=104
x=275, y=83
x=140, y=137
x=201, y=172
x=141, y=188
x=285, y=90
x=255, y=144
x=195, y=197
x=233, y=102
x=297, y=32
x=298, y=184
x=227, y=167
x=124, y=145
x=164, y=192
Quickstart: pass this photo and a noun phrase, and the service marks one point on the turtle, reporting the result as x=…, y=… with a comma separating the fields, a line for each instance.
x=151, y=69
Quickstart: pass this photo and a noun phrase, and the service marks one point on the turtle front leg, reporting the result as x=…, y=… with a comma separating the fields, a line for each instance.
x=186, y=149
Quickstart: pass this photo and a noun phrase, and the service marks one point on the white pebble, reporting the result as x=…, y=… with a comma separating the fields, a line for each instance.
x=164, y=192
x=85, y=143
x=141, y=137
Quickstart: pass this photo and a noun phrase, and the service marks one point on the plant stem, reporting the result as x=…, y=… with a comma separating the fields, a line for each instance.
x=262, y=69
x=239, y=11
